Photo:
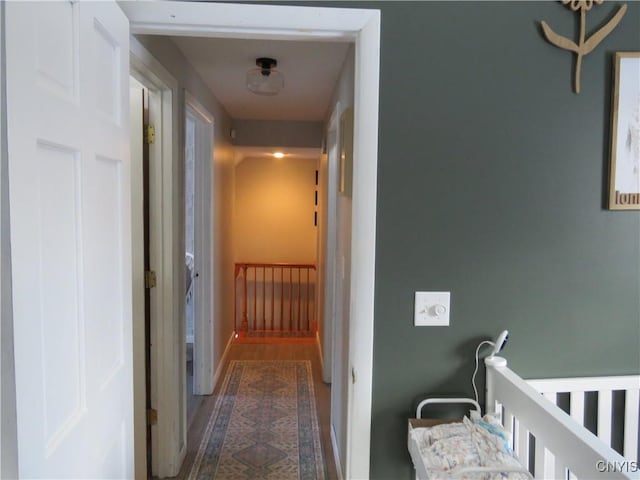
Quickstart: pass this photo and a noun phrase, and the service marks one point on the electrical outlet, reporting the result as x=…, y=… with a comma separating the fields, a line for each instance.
x=432, y=309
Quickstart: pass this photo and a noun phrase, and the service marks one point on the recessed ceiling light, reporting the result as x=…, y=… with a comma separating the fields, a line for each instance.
x=278, y=154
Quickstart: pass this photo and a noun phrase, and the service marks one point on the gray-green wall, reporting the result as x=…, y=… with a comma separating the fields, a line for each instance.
x=491, y=184
x=8, y=426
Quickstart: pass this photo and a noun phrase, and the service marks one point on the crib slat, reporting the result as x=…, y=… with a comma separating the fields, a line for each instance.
x=521, y=442
x=549, y=464
x=544, y=461
x=631, y=401
x=559, y=471
x=550, y=468
x=515, y=437
x=508, y=425
x=577, y=407
x=538, y=460
x=508, y=420
x=604, y=416
x=498, y=411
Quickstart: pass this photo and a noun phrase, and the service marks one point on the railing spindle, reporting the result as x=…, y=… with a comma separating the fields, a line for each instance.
x=255, y=298
x=245, y=324
x=308, y=299
x=235, y=299
x=273, y=286
x=281, y=324
x=299, y=288
x=631, y=423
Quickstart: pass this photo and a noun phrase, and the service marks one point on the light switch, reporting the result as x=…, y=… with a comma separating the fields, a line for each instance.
x=432, y=309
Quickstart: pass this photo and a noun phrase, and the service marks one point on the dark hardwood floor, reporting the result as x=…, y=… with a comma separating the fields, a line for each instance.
x=267, y=351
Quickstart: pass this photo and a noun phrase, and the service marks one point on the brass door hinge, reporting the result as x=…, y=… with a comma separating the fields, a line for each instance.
x=152, y=416
x=149, y=279
x=149, y=134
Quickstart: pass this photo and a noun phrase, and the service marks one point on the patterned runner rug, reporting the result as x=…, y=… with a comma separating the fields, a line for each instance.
x=263, y=426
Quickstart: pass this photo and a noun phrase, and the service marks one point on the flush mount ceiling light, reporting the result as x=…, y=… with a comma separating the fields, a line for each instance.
x=265, y=80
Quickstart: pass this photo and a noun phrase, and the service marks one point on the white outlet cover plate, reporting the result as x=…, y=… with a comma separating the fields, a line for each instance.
x=432, y=309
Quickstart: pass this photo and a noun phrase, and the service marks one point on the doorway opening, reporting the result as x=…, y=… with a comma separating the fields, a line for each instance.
x=138, y=96
x=199, y=253
x=156, y=356
x=362, y=28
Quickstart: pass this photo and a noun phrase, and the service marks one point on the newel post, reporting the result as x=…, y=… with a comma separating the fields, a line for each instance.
x=492, y=363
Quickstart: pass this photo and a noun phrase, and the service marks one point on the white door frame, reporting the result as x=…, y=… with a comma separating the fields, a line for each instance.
x=311, y=23
x=136, y=95
x=331, y=240
x=203, y=368
x=168, y=379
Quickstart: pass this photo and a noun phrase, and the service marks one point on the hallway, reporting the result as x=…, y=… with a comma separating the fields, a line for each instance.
x=267, y=351
x=270, y=175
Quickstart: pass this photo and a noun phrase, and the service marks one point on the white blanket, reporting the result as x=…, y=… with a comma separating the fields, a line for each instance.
x=447, y=449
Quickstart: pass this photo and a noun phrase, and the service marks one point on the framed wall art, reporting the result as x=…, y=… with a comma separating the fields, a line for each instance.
x=624, y=174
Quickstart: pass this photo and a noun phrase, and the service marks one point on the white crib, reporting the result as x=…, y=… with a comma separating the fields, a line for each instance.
x=550, y=443
x=564, y=448
x=604, y=387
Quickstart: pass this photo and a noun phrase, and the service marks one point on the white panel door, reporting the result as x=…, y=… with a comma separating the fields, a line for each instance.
x=69, y=183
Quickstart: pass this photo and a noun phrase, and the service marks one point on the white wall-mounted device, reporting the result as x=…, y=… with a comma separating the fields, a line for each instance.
x=432, y=309
x=498, y=344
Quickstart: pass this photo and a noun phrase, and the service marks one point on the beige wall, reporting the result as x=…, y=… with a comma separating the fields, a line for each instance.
x=274, y=207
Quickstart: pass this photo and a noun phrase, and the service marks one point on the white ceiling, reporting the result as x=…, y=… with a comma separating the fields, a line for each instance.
x=310, y=69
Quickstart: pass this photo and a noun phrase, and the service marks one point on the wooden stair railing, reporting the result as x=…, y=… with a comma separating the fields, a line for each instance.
x=275, y=299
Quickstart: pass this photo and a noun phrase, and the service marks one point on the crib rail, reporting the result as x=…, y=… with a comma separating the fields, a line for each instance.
x=604, y=387
x=275, y=298
x=561, y=448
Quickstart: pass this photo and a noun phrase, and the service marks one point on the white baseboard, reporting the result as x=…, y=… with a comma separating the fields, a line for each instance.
x=222, y=361
x=336, y=454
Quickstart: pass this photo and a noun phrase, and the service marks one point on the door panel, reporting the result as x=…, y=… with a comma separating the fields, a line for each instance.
x=69, y=182
x=58, y=245
x=56, y=46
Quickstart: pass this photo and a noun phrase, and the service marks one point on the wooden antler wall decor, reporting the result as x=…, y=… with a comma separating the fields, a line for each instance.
x=584, y=46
